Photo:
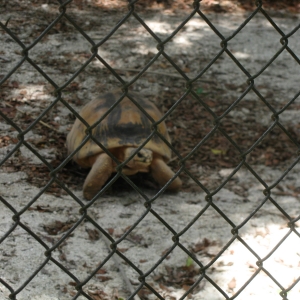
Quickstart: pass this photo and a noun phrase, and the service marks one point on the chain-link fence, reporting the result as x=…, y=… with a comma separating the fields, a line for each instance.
x=196, y=269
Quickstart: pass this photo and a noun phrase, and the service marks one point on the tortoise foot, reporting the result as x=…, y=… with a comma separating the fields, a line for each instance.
x=100, y=172
x=162, y=173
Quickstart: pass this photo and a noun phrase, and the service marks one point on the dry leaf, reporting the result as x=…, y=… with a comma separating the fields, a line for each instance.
x=232, y=284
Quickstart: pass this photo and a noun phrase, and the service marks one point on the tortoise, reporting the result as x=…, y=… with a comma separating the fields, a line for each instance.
x=122, y=131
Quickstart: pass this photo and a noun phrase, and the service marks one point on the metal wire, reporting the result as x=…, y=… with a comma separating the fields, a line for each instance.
x=84, y=207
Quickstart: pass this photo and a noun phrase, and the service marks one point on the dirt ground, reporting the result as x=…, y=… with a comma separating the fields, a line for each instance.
x=230, y=262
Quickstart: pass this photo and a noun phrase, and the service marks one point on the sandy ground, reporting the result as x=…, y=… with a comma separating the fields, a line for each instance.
x=50, y=216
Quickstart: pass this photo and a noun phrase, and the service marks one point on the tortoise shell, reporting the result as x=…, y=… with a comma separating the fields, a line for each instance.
x=125, y=125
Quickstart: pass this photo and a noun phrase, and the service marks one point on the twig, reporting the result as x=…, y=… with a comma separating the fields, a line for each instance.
x=162, y=74
x=118, y=263
x=40, y=121
x=6, y=23
x=176, y=157
x=5, y=59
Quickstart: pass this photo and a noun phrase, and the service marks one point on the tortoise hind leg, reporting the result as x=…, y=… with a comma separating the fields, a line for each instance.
x=102, y=168
x=162, y=173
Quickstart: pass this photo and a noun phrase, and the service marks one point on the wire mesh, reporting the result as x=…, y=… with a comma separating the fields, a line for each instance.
x=190, y=83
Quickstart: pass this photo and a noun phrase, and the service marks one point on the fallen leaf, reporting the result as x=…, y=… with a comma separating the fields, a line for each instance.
x=98, y=295
x=104, y=278
x=93, y=234
x=232, y=284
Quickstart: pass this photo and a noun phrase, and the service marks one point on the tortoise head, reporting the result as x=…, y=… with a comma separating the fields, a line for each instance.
x=141, y=159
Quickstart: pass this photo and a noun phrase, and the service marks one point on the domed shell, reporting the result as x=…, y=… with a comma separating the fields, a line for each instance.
x=125, y=125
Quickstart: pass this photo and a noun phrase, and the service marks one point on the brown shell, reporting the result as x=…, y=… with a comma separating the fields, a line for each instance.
x=124, y=126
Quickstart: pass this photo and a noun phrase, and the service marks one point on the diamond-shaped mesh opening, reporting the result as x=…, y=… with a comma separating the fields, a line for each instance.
x=228, y=92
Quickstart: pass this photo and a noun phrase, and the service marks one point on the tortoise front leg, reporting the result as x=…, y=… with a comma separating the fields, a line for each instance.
x=162, y=173
x=101, y=170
